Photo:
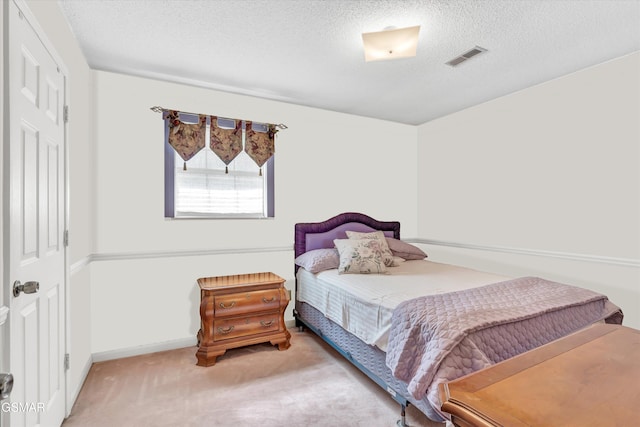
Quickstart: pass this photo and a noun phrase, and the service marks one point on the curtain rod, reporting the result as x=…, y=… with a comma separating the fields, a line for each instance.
x=158, y=109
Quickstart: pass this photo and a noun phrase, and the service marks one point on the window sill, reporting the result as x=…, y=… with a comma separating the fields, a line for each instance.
x=200, y=217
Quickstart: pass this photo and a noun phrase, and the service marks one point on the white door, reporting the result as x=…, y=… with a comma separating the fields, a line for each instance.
x=36, y=218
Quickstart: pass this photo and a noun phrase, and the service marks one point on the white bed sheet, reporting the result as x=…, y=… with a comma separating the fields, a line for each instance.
x=363, y=303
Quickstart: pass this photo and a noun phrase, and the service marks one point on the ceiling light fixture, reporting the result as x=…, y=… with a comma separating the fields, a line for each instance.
x=390, y=43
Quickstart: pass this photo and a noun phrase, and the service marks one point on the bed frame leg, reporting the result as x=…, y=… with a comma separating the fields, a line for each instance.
x=402, y=421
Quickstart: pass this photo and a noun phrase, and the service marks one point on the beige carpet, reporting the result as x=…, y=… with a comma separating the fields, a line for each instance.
x=308, y=385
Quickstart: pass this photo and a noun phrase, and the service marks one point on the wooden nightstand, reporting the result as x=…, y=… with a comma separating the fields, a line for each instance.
x=240, y=310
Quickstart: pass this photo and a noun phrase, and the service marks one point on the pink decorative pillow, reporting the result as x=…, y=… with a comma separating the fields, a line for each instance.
x=405, y=250
x=319, y=260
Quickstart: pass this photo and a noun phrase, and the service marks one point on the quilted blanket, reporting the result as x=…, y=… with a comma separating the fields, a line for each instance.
x=442, y=337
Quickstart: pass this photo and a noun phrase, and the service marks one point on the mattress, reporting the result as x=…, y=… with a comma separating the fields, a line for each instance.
x=363, y=303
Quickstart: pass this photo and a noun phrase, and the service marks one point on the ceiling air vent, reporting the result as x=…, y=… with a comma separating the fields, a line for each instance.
x=467, y=55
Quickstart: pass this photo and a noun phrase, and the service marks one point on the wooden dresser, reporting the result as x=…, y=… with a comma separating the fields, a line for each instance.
x=589, y=378
x=240, y=310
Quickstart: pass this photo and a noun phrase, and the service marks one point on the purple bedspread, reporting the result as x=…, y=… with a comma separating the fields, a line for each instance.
x=442, y=337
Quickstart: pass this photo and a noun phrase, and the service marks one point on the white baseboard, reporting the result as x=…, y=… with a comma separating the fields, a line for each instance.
x=290, y=324
x=73, y=396
x=143, y=349
x=153, y=348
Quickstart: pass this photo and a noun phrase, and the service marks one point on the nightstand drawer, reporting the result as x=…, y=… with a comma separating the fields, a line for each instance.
x=246, y=302
x=225, y=329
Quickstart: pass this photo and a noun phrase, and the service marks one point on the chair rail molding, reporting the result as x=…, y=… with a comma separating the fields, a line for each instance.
x=118, y=256
x=80, y=264
x=113, y=256
x=626, y=262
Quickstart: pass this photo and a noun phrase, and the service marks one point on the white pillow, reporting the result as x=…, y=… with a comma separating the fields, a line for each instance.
x=360, y=256
x=387, y=255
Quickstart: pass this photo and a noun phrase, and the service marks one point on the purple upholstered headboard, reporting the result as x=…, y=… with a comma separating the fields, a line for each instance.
x=317, y=235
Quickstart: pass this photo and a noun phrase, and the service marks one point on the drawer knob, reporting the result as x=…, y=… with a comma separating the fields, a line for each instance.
x=265, y=300
x=227, y=306
x=266, y=324
x=225, y=331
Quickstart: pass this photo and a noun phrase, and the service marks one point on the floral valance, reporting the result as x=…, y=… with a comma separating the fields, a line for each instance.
x=260, y=145
x=187, y=136
x=226, y=143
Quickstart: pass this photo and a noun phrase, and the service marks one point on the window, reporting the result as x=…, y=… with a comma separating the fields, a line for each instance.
x=205, y=190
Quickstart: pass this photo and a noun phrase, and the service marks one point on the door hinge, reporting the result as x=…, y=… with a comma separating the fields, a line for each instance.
x=66, y=361
x=65, y=114
x=65, y=238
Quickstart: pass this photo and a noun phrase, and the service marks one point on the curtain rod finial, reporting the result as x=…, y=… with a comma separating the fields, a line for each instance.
x=157, y=109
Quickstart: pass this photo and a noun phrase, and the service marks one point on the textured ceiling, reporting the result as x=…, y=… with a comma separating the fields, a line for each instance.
x=309, y=52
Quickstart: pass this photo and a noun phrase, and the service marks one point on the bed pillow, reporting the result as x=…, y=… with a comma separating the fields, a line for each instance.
x=387, y=256
x=405, y=250
x=319, y=260
x=362, y=256
x=398, y=260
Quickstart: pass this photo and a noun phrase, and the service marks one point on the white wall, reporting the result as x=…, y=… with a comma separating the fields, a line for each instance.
x=326, y=163
x=553, y=168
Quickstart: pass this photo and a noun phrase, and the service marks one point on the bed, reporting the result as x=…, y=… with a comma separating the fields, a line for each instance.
x=373, y=320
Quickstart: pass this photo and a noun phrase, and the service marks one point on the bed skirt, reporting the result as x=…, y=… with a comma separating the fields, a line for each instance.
x=369, y=359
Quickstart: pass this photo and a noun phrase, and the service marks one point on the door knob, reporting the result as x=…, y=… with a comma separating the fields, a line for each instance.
x=6, y=385
x=27, y=288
